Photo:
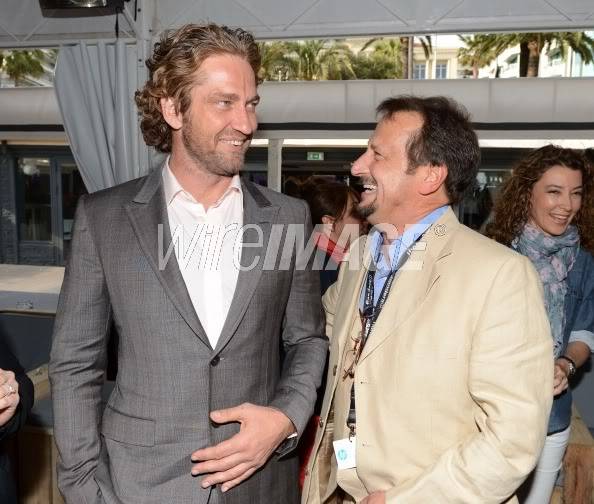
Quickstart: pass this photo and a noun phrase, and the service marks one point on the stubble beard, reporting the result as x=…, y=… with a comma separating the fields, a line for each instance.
x=223, y=165
x=364, y=211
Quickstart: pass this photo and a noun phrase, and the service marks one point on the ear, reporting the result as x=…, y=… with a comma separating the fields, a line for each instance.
x=434, y=178
x=328, y=220
x=170, y=113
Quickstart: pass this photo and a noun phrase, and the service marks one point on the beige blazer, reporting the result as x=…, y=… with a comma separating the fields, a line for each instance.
x=454, y=386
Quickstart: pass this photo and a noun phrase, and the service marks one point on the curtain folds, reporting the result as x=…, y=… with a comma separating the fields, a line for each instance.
x=95, y=86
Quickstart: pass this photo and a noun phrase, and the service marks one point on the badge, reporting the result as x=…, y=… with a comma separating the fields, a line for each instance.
x=344, y=451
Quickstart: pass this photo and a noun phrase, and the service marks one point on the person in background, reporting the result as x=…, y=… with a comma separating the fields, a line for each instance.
x=545, y=211
x=332, y=206
x=16, y=401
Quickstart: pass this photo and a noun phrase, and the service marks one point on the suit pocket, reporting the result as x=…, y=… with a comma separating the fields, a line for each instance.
x=128, y=429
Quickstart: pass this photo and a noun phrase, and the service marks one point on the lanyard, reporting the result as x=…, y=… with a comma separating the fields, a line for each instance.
x=370, y=312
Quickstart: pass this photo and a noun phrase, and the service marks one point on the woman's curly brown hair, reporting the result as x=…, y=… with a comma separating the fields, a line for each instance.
x=176, y=57
x=512, y=205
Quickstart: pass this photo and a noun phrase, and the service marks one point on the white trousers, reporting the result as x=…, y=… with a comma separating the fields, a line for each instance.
x=540, y=483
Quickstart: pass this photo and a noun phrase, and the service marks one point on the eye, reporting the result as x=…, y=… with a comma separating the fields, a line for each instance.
x=554, y=191
x=224, y=103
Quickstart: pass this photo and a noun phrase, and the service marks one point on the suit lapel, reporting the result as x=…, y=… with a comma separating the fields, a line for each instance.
x=147, y=213
x=259, y=214
x=414, y=280
x=347, y=312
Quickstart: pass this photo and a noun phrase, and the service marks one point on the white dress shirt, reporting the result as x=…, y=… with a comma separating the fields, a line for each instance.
x=207, y=247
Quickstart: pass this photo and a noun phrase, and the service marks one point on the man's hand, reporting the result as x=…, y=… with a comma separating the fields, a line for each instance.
x=262, y=430
x=560, y=381
x=9, y=396
x=375, y=498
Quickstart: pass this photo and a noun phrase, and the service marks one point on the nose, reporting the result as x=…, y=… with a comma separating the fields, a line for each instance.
x=244, y=121
x=361, y=165
x=565, y=202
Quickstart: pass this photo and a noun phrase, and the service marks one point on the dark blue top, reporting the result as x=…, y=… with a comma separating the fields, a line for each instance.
x=579, y=326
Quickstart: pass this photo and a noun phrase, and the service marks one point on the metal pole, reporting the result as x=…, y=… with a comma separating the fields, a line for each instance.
x=275, y=163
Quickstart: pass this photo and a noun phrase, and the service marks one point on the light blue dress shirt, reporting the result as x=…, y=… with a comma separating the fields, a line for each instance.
x=397, y=249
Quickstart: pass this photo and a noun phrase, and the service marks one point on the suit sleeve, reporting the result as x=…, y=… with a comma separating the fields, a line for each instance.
x=8, y=362
x=510, y=380
x=304, y=344
x=77, y=365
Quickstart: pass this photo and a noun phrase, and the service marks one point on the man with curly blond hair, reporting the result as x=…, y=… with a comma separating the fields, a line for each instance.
x=219, y=356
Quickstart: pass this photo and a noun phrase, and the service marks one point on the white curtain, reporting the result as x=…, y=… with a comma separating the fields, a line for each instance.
x=95, y=86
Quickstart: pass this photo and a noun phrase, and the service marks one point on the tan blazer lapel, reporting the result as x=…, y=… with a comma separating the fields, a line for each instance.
x=414, y=280
x=347, y=312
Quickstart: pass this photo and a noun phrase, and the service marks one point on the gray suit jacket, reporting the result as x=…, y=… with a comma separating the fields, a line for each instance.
x=271, y=352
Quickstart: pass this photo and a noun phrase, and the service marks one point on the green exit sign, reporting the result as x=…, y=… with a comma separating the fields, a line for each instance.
x=315, y=156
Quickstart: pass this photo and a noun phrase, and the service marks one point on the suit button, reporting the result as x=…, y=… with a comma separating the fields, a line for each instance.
x=321, y=423
x=215, y=361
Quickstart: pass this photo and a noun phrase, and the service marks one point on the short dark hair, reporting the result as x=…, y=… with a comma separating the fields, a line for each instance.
x=446, y=138
x=326, y=198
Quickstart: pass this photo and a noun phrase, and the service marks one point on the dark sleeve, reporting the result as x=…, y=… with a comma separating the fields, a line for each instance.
x=9, y=362
x=304, y=342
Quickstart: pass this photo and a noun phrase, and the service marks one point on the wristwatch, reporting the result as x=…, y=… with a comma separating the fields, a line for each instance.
x=571, y=365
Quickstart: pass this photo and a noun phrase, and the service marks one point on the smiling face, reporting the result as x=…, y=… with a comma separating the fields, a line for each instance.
x=555, y=200
x=215, y=132
x=390, y=190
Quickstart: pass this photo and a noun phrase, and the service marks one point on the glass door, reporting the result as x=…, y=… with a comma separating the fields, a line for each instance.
x=71, y=188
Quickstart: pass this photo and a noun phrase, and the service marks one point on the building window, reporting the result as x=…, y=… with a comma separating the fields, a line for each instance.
x=441, y=70
x=419, y=70
x=34, y=199
x=47, y=188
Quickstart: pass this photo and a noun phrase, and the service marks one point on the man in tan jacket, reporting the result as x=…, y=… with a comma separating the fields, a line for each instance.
x=440, y=374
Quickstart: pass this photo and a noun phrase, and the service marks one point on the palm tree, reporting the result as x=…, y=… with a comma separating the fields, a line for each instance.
x=384, y=62
x=478, y=52
x=18, y=64
x=276, y=65
x=406, y=52
x=533, y=44
x=321, y=59
x=306, y=60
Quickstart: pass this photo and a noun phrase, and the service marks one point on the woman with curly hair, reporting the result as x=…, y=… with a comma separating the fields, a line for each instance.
x=545, y=211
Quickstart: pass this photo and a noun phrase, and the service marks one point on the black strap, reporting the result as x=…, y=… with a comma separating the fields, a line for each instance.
x=369, y=315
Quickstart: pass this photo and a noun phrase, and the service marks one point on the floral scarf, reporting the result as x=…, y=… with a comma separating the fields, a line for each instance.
x=553, y=258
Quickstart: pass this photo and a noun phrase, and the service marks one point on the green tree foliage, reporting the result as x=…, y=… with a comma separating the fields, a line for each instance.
x=488, y=47
x=478, y=52
x=383, y=62
x=19, y=64
x=401, y=49
x=330, y=60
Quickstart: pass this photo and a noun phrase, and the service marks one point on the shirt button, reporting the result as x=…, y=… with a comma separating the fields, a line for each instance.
x=334, y=369
x=215, y=361
x=321, y=423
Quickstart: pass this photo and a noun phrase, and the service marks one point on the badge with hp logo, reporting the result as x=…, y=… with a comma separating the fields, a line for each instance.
x=344, y=451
